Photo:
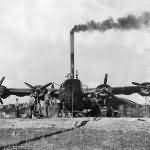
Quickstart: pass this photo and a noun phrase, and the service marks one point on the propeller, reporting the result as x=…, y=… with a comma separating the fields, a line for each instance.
x=1, y=101
x=104, y=89
x=135, y=83
x=57, y=84
x=29, y=85
x=2, y=89
x=144, y=88
x=53, y=85
x=105, y=79
x=142, y=85
x=46, y=85
x=38, y=89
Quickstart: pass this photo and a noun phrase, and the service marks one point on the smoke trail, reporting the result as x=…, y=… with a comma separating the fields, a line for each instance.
x=123, y=23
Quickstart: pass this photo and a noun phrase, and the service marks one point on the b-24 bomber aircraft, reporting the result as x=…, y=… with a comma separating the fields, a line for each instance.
x=73, y=95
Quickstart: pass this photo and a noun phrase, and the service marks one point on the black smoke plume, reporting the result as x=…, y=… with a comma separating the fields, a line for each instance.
x=123, y=23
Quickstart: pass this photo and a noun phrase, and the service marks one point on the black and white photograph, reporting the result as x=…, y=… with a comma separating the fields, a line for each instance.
x=74, y=75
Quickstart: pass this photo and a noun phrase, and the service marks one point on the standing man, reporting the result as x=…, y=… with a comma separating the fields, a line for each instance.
x=38, y=107
x=47, y=103
x=31, y=105
x=59, y=107
x=109, y=111
x=17, y=108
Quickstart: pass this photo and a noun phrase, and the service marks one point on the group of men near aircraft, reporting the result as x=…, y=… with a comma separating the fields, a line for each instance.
x=35, y=108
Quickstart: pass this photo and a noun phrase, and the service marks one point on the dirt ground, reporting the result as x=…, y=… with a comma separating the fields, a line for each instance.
x=75, y=134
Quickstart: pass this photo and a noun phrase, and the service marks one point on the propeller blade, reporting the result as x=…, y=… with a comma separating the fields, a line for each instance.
x=53, y=86
x=106, y=78
x=29, y=85
x=56, y=84
x=1, y=101
x=46, y=85
x=135, y=83
x=2, y=79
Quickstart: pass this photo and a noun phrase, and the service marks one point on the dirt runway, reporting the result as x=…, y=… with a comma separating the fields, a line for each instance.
x=76, y=133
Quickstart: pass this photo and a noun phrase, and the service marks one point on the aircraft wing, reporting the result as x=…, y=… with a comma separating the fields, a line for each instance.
x=125, y=90
x=116, y=90
x=25, y=92
x=20, y=92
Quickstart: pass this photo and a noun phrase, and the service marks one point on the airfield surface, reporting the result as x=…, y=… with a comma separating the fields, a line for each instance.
x=75, y=134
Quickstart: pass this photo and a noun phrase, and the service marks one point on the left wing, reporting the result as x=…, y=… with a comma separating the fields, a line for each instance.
x=39, y=89
x=19, y=92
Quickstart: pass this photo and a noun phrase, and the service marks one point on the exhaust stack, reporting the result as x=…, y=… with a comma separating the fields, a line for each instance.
x=72, y=54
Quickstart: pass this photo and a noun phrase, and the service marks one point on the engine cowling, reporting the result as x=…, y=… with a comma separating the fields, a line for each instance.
x=104, y=90
x=144, y=88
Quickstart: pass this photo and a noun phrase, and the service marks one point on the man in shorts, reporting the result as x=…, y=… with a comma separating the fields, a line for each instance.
x=47, y=103
x=17, y=108
x=31, y=105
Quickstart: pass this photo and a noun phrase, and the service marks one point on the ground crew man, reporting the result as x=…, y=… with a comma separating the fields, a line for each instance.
x=37, y=105
x=59, y=107
x=17, y=108
x=31, y=105
x=47, y=103
x=109, y=111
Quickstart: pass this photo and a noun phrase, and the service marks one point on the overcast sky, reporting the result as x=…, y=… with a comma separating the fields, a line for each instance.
x=34, y=42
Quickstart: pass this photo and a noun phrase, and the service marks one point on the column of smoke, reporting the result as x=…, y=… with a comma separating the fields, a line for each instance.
x=130, y=22
x=123, y=23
